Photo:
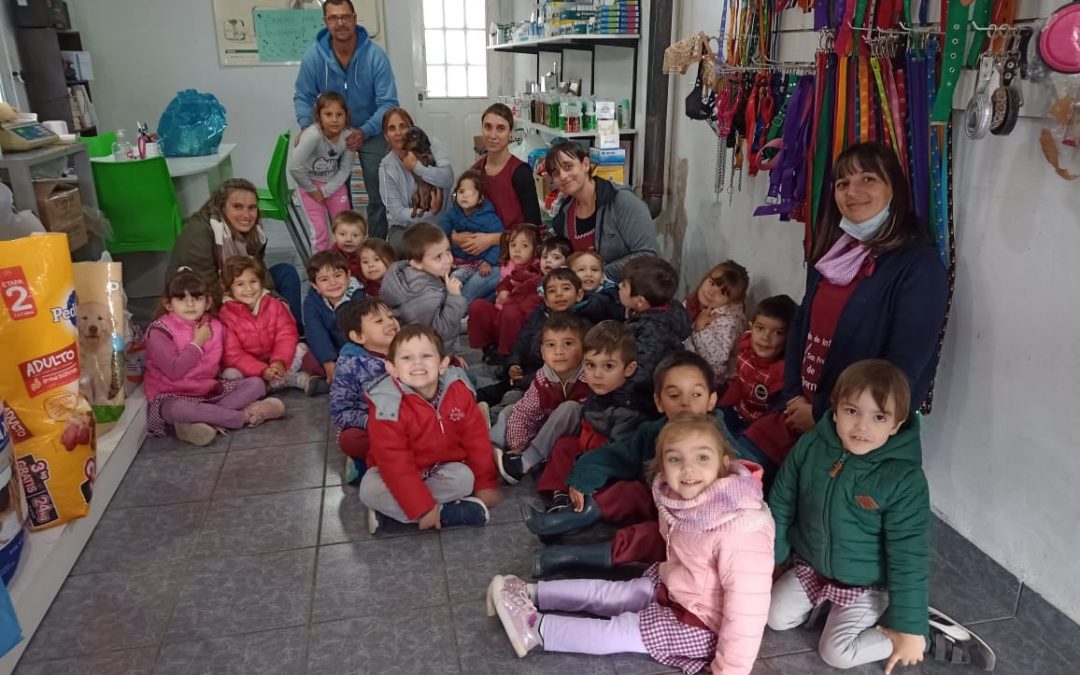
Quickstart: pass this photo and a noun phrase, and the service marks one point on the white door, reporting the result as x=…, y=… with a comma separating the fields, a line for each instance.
x=454, y=83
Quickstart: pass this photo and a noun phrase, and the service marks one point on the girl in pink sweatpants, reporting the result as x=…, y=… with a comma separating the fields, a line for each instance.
x=321, y=164
x=707, y=604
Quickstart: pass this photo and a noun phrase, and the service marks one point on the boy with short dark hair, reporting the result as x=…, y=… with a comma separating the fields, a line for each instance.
x=420, y=289
x=553, y=253
x=429, y=444
x=370, y=326
x=608, y=414
x=526, y=431
x=759, y=372
x=659, y=325
x=331, y=287
x=562, y=293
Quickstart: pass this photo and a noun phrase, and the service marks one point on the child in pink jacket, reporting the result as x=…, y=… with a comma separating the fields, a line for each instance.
x=706, y=606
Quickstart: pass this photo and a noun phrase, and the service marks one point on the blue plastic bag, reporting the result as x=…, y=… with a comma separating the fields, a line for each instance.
x=191, y=125
x=10, y=632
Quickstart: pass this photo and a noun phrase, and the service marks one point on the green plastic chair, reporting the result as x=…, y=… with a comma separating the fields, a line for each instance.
x=100, y=145
x=275, y=200
x=140, y=202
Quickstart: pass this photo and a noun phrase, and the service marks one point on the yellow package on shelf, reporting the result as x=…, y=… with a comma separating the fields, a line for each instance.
x=615, y=173
x=50, y=423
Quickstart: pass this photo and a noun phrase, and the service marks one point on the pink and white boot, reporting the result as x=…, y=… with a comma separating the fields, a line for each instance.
x=520, y=619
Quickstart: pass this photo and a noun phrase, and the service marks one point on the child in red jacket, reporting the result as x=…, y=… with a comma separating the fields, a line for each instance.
x=261, y=338
x=429, y=443
x=759, y=373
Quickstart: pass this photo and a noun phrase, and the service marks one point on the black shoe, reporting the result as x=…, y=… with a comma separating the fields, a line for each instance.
x=560, y=501
x=467, y=512
x=560, y=558
x=511, y=466
x=564, y=522
x=951, y=642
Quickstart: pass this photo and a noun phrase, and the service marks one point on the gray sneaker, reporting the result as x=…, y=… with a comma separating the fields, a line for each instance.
x=951, y=642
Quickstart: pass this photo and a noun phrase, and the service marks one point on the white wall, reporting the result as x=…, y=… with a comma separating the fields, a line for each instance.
x=1001, y=446
x=144, y=51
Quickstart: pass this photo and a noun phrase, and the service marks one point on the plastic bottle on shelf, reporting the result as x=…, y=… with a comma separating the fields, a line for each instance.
x=122, y=150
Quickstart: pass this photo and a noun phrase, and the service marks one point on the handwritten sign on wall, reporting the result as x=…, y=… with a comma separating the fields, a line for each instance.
x=284, y=34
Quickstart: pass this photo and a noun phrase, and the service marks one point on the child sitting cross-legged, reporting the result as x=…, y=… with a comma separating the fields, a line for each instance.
x=331, y=287
x=526, y=431
x=420, y=290
x=704, y=607
x=260, y=337
x=608, y=414
x=430, y=460
x=852, y=513
x=659, y=324
x=370, y=326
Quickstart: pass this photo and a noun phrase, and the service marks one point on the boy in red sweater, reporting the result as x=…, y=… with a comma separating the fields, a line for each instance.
x=759, y=376
x=429, y=445
x=550, y=408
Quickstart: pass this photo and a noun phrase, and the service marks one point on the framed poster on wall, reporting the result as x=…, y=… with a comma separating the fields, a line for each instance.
x=277, y=32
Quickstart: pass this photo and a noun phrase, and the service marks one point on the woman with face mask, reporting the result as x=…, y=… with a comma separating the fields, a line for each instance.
x=875, y=289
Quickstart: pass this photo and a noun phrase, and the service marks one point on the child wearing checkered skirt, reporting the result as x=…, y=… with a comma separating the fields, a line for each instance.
x=707, y=604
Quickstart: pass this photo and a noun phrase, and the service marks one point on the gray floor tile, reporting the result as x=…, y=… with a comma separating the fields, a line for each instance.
x=304, y=422
x=344, y=516
x=1019, y=651
x=126, y=662
x=241, y=594
x=965, y=583
x=335, y=461
x=168, y=479
x=485, y=650
x=122, y=610
x=638, y=664
x=369, y=578
x=275, y=652
x=137, y=537
x=1050, y=624
x=272, y=469
x=154, y=446
x=513, y=497
x=977, y=590
x=410, y=641
x=474, y=555
x=260, y=524
x=810, y=662
x=794, y=641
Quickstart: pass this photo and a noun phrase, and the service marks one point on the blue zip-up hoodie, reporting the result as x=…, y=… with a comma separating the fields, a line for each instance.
x=483, y=220
x=367, y=84
x=321, y=331
x=356, y=370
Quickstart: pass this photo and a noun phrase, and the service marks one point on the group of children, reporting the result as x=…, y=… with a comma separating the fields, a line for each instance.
x=623, y=401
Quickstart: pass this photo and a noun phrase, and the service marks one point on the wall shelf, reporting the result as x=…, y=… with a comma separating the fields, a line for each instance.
x=552, y=131
x=578, y=41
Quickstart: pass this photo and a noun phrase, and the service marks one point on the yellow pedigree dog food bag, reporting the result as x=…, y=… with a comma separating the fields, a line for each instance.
x=50, y=423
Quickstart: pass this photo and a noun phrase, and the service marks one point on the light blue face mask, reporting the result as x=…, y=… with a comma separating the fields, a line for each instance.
x=865, y=230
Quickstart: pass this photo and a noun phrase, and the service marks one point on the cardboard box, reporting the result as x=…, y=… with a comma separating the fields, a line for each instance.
x=60, y=210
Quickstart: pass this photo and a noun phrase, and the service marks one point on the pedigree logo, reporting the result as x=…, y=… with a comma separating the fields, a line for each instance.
x=50, y=371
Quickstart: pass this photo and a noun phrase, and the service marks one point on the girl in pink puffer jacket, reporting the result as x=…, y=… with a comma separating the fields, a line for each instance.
x=705, y=606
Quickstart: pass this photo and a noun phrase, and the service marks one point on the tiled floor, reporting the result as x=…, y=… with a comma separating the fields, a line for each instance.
x=250, y=557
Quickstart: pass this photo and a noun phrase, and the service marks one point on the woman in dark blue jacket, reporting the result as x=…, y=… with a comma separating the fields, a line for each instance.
x=875, y=289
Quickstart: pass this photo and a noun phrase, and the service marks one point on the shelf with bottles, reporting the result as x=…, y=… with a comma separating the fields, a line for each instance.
x=569, y=41
x=555, y=131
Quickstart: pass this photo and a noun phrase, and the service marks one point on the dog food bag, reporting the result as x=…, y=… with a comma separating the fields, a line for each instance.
x=100, y=322
x=12, y=520
x=51, y=425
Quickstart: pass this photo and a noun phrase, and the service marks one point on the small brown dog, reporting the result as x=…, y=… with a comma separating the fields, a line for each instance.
x=427, y=197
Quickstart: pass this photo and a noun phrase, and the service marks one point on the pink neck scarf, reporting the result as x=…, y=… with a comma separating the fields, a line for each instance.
x=843, y=261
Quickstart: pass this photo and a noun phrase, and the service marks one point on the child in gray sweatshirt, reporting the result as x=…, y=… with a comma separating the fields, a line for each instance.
x=321, y=165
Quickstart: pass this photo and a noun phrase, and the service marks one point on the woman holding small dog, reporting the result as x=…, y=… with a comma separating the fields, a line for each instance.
x=402, y=170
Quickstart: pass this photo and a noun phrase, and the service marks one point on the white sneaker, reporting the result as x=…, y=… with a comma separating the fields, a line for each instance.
x=196, y=433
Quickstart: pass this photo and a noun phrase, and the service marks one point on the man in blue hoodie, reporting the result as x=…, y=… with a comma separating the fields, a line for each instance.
x=345, y=60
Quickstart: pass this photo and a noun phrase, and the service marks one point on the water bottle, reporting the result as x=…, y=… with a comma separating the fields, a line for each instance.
x=122, y=151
